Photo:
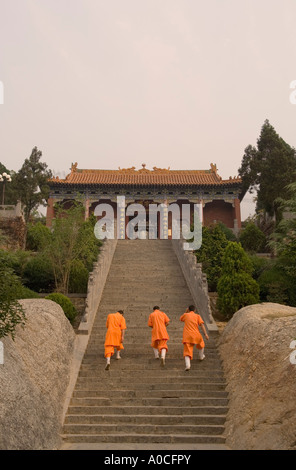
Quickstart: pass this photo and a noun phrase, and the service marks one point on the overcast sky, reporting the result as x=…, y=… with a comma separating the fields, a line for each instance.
x=169, y=83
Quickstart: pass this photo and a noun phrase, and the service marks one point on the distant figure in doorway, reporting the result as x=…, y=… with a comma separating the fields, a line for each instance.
x=158, y=321
x=192, y=335
x=116, y=327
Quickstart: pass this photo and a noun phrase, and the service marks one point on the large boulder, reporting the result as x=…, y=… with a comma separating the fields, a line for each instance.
x=34, y=378
x=261, y=374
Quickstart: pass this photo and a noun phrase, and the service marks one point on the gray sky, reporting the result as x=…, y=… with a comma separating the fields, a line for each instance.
x=179, y=83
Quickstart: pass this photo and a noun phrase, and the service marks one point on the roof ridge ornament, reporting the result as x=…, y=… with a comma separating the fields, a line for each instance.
x=74, y=167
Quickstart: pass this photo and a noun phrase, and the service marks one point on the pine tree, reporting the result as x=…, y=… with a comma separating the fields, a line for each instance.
x=268, y=169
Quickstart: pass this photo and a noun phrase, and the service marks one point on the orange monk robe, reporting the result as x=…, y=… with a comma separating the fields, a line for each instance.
x=191, y=333
x=115, y=324
x=158, y=321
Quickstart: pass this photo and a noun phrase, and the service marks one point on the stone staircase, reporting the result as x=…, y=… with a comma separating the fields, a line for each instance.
x=137, y=401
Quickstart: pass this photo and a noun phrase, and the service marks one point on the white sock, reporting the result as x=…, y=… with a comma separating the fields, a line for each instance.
x=118, y=354
x=201, y=353
x=156, y=353
x=108, y=360
x=163, y=353
x=187, y=362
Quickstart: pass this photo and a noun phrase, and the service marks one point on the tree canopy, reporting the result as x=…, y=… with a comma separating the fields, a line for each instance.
x=268, y=169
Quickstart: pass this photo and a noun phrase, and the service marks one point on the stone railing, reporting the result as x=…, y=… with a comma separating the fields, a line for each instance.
x=10, y=211
x=196, y=281
x=96, y=283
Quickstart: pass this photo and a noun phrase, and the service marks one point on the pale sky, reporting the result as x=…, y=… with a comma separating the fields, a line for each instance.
x=169, y=83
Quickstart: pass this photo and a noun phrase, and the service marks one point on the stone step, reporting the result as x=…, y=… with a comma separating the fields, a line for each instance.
x=129, y=410
x=144, y=438
x=184, y=401
x=137, y=375
x=97, y=384
x=144, y=393
x=165, y=419
x=155, y=381
x=147, y=429
x=170, y=364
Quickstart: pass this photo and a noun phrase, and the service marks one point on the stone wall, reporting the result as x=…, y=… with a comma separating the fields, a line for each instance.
x=34, y=378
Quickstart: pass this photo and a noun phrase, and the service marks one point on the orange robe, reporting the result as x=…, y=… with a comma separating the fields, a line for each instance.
x=115, y=324
x=191, y=333
x=158, y=321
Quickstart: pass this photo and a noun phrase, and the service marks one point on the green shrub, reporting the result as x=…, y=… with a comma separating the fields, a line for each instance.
x=259, y=265
x=37, y=236
x=26, y=293
x=274, y=286
x=66, y=304
x=38, y=274
x=252, y=239
x=78, y=277
x=227, y=232
x=236, y=287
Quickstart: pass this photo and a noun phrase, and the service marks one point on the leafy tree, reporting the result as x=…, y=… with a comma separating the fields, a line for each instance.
x=228, y=232
x=38, y=274
x=211, y=252
x=283, y=241
x=252, y=238
x=268, y=169
x=31, y=183
x=38, y=235
x=63, y=247
x=236, y=287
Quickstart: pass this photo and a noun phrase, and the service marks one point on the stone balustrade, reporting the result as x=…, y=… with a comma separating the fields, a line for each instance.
x=196, y=281
x=96, y=283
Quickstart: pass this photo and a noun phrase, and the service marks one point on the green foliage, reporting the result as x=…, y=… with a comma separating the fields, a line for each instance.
x=227, y=232
x=252, y=239
x=72, y=240
x=87, y=246
x=11, y=312
x=78, y=277
x=31, y=183
x=268, y=169
x=38, y=235
x=283, y=243
x=65, y=303
x=259, y=265
x=26, y=293
x=274, y=285
x=38, y=274
x=210, y=254
x=236, y=287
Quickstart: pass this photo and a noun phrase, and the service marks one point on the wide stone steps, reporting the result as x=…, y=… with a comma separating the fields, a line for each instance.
x=137, y=400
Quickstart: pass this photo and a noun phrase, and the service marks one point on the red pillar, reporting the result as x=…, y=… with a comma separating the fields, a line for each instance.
x=49, y=212
x=237, y=213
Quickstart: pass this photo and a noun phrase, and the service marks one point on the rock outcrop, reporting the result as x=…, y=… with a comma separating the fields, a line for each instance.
x=255, y=348
x=34, y=378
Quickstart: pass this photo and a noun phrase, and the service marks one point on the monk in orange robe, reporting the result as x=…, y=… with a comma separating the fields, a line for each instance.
x=158, y=321
x=192, y=336
x=116, y=327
